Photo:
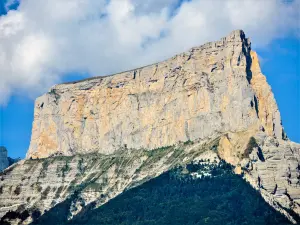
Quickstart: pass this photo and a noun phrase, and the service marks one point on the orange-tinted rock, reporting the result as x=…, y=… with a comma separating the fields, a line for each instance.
x=192, y=96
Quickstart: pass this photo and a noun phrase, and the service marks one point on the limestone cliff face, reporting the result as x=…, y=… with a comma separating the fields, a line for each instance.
x=208, y=90
x=267, y=109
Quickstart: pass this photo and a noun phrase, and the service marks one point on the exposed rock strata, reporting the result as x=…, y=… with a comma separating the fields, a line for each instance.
x=40, y=184
x=273, y=168
x=193, y=95
x=213, y=94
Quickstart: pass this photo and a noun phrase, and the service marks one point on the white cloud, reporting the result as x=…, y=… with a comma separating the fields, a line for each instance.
x=43, y=41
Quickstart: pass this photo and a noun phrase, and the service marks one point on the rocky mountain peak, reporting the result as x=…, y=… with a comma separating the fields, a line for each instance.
x=195, y=95
x=100, y=136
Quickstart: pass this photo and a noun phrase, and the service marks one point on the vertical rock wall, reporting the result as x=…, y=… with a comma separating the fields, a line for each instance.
x=195, y=95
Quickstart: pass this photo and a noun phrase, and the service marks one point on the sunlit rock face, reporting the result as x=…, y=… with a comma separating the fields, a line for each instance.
x=192, y=96
x=103, y=135
x=3, y=158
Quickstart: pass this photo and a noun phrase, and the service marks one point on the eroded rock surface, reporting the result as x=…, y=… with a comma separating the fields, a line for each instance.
x=39, y=184
x=273, y=168
x=105, y=134
x=192, y=96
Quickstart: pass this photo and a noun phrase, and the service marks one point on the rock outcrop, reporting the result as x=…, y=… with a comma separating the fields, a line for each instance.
x=273, y=168
x=158, y=105
x=3, y=158
x=103, y=135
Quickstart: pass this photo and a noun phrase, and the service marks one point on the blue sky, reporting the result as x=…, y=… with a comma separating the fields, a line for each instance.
x=279, y=54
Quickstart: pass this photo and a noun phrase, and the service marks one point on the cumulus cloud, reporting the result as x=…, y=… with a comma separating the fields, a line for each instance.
x=43, y=41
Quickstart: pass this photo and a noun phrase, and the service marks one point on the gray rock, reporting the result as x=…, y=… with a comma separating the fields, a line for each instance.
x=43, y=183
x=195, y=95
x=3, y=158
x=275, y=172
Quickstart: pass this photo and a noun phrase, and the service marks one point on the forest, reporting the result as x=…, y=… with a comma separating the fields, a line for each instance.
x=177, y=198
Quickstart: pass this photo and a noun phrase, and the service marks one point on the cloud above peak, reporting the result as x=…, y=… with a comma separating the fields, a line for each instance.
x=43, y=41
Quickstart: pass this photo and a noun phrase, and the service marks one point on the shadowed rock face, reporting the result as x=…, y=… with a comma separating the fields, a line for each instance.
x=105, y=134
x=3, y=158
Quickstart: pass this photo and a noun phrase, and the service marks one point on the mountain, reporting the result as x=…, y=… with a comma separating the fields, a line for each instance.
x=219, y=84
x=4, y=163
x=204, y=193
x=99, y=137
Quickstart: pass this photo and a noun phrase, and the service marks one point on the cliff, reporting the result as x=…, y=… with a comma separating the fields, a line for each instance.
x=101, y=136
x=206, y=91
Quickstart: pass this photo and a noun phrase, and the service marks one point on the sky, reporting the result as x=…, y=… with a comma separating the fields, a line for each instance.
x=43, y=43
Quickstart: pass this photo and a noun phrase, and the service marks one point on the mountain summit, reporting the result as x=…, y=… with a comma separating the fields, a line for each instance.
x=100, y=136
x=210, y=90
